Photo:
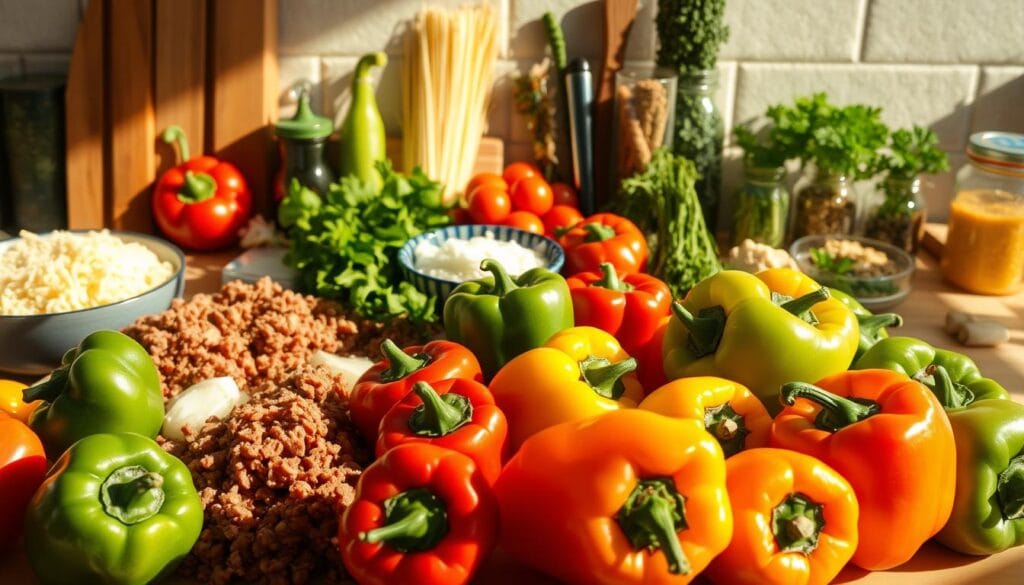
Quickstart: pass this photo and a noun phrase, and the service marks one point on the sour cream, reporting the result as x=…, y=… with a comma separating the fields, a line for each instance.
x=459, y=260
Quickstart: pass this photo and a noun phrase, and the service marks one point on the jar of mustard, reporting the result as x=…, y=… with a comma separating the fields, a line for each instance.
x=984, y=250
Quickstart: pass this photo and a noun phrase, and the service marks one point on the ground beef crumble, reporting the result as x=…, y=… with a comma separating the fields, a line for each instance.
x=274, y=475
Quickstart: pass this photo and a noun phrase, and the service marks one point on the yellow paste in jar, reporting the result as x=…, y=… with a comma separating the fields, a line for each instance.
x=984, y=250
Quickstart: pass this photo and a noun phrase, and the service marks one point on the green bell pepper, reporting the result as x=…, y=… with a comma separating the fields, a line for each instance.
x=115, y=509
x=106, y=384
x=735, y=325
x=500, y=317
x=913, y=357
x=988, y=504
x=872, y=326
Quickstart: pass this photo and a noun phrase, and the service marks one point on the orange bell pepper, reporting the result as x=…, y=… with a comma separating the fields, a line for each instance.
x=579, y=373
x=794, y=520
x=12, y=402
x=734, y=416
x=630, y=496
x=889, y=437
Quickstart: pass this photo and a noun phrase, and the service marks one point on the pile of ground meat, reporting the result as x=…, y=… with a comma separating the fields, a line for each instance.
x=277, y=472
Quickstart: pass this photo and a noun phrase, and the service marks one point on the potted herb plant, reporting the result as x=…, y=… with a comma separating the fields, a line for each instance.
x=762, y=202
x=899, y=218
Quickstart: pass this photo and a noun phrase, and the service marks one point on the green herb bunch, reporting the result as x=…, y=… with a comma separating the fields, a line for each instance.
x=691, y=32
x=759, y=149
x=662, y=200
x=910, y=153
x=345, y=245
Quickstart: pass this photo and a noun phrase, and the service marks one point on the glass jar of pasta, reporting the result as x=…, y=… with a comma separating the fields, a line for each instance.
x=984, y=251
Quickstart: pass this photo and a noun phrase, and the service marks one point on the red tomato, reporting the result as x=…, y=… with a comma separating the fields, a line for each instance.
x=489, y=204
x=565, y=194
x=520, y=170
x=460, y=216
x=532, y=194
x=525, y=220
x=485, y=179
x=560, y=216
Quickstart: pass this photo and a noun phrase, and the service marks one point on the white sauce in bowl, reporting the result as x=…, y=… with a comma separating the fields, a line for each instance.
x=459, y=260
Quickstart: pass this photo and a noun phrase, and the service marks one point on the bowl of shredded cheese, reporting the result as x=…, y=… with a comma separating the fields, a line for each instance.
x=437, y=261
x=57, y=288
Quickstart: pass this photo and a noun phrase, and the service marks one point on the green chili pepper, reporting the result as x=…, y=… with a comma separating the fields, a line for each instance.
x=107, y=384
x=362, y=141
x=913, y=357
x=115, y=509
x=501, y=317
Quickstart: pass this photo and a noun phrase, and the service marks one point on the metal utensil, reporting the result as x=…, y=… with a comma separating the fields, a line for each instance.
x=579, y=89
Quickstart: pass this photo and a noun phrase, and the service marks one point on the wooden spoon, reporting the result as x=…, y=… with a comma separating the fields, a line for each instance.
x=618, y=19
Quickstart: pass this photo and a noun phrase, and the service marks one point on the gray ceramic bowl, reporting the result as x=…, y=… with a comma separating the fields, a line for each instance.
x=33, y=344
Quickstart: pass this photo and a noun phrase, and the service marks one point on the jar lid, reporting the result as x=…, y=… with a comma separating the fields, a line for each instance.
x=304, y=125
x=1004, y=148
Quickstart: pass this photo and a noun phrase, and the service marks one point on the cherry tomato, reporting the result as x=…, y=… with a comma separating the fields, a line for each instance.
x=520, y=170
x=489, y=204
x=560, y=216
x=485, y=179
x=532, y=194
x=460, y=216
x=565, y=194
x=525, y=220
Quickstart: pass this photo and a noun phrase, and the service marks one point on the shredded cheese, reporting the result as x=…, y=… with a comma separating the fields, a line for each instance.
x=66, y=271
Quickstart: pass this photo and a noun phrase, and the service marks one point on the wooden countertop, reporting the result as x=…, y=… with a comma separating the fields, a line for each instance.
x=924, y=314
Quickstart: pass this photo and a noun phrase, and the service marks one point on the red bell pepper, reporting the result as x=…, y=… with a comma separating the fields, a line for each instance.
x=604, y=237
x=422, y=514
x=202, y=203
x=22, y=470
x=390, y=379
x=457, y=414
x=629, y=307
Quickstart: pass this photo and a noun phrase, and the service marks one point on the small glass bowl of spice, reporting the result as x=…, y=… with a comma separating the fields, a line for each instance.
x=875, y=273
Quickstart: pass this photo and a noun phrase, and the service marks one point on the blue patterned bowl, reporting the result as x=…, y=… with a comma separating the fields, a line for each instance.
x=441, y=287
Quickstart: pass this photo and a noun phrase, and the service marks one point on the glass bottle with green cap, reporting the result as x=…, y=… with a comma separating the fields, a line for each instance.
x=984, y=251
x=301, y=140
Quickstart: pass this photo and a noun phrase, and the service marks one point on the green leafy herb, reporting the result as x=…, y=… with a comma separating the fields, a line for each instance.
x=662, y=201
x=911, y=153
x=345, y=245
x=691, y=33
x=760, y=150
x=829, y=263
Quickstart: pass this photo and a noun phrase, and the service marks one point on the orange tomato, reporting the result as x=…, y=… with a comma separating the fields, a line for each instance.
x=532, y=194
x=485, y=179
x=489, y=204
x=518, y=171
x=560, y=216
x=525, y=220
x=565, y=194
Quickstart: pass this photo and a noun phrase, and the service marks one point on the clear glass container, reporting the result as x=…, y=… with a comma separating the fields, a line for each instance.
x=826, y=203
x=700, y=135
x=762, y=207
x=899, y=218
x=645, y=100
x=984, y=251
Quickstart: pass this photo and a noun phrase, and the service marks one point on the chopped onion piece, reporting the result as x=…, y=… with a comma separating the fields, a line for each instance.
x=350, y=368
x=193, y=406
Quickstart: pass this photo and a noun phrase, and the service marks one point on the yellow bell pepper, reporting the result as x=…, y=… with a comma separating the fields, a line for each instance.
x=579, y=373
x=12, y=403
x=725, y=408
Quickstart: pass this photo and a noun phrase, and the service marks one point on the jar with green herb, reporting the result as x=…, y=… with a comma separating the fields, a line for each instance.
x=826, y=203
x=762, y=207
x=899, y=218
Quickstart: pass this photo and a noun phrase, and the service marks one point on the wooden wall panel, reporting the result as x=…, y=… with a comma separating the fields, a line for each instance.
x=85, y=122
x=180, y=75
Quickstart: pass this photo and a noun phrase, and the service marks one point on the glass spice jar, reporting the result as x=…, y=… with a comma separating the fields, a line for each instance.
x=984, y=250
x=825, y=204
x=762, y=207
x=899, y=218
x=301, y=140
x=700, y=136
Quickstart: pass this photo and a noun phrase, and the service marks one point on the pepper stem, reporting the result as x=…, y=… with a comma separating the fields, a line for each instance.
x=872, y=324
x=949, y=393
x=598, y=232
x=48, y=390
x=727, y=426
x=797, y=523
x=610, y=280
x=176, y=134
x=438, y=415
x=414, y=521
x=652, y=516
x=836, y=412
x=705, y=328
x=400, y=364
x=132, y=494
x=801, y=305
x=198, y=187
x=605, y=377
x=503, y=283
x=1010, y=489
